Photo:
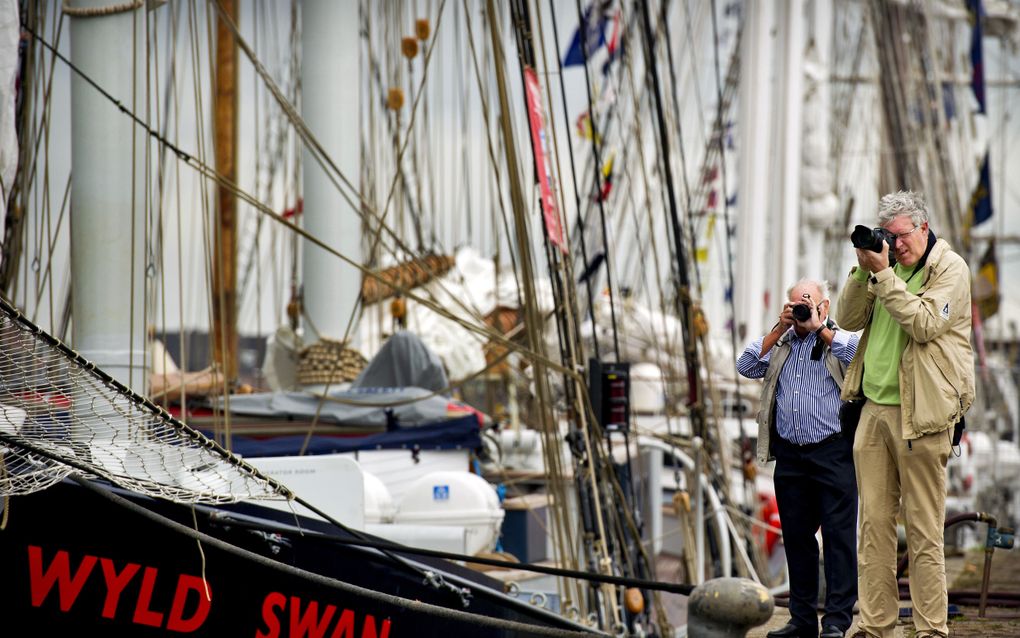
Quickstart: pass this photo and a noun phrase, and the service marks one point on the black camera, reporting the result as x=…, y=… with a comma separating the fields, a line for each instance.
x=801, y=312
x=871, y=239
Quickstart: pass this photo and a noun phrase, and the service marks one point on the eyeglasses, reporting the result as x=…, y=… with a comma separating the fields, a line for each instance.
x=904, y=235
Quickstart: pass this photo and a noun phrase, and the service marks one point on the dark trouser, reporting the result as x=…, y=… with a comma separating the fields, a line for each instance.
x=816, y=486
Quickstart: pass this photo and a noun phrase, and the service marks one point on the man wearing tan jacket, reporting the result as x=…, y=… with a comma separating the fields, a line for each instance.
x=915, y=367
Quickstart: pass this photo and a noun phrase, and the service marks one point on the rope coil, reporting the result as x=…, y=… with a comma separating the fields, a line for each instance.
x=100, y=12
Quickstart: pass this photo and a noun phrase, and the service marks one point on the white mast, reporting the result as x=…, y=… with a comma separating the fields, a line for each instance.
x=754, y=184
x=820, y=206
x=787, y=244
x=330, y=99
x=108, y=222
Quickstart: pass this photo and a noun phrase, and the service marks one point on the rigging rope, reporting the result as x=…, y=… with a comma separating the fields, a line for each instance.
x=208, y=172
x=568, y=328
x=492, y=152
x=683, y=589
x=683, y=283
x=597, y=152
x=574, y=181
x=731, y=79
x=677, y=117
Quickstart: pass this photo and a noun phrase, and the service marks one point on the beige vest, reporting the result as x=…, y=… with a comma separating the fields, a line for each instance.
x=767, y=409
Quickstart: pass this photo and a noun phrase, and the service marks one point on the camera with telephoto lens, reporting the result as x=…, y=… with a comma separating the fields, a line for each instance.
x=801, y=312
x=871, y=239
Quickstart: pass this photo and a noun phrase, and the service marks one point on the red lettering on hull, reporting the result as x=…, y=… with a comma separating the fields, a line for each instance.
x=43, y=578
x=307, y=622
x=59, y=572
x=115, y=584
x=177, y=621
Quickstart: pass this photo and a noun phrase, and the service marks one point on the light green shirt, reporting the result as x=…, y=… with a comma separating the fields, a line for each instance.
x=886, y=342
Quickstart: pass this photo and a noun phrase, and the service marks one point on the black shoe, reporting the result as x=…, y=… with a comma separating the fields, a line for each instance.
x=831, y=631
x=794, y=631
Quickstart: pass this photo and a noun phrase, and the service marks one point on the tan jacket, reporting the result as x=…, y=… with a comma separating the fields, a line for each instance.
x=937, y=367
x=767, y=405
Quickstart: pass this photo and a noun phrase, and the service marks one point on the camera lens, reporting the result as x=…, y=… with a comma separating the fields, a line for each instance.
x=872, y=239
x=867, y=238
x=801, y=312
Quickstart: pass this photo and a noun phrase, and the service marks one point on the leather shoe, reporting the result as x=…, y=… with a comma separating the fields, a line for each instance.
x=831, y=631
x=791, y=630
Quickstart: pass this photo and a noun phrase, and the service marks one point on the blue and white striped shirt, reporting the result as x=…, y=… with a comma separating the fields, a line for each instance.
x=807, y=397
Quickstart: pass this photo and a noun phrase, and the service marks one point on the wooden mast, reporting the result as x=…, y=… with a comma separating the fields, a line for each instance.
x=224, y=271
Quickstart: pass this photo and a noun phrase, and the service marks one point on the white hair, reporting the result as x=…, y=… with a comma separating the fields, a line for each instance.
x=902, y=203
x=820, y=284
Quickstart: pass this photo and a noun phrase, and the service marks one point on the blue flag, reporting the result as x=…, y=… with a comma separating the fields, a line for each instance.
x=593, y=25
x=977, y=63
x=980, y=206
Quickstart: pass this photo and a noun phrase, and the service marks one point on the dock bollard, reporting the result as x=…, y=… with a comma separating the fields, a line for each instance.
x=727, y=608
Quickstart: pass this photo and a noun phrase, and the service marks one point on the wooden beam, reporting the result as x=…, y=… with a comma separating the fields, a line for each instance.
x=224, y=271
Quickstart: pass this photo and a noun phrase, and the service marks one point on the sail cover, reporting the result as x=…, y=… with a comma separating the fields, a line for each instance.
x=403, y=361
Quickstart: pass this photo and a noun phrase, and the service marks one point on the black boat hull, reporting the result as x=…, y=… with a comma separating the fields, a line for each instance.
x=76, y=563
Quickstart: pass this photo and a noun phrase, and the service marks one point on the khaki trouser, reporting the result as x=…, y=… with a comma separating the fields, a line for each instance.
x=891, y=471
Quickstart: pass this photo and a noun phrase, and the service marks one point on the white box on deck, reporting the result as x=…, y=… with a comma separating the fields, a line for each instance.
x=332, y=483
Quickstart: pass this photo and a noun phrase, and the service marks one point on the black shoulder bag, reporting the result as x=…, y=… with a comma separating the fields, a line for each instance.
x=958, y=429
x=849, y=415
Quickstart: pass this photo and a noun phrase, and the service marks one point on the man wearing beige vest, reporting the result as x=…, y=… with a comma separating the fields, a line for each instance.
x=915, y=368
x=802, y=360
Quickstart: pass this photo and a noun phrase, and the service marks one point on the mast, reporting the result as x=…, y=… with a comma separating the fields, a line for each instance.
x=792, y=98
x=107, y=194
x=224, y=270
x=754, y=186
x=330, y=102
x=820, y=202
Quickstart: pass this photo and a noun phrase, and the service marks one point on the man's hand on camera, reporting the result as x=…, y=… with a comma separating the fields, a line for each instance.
x=786, y=319
x=813, y=322
x=872, y=261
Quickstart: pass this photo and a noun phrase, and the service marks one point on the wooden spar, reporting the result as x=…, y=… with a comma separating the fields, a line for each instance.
x=224, y=270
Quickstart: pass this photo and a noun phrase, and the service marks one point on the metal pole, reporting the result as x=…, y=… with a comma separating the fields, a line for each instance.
x=330, y=102
x=792, y=83
x=755, y=117
x=985, y=577
x=699, y=512
x=108, y=193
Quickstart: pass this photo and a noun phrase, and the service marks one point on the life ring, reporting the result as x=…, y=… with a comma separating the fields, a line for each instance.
x=770, y=516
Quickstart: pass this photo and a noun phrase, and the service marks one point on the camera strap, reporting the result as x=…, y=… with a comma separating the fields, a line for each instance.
x=816, y=350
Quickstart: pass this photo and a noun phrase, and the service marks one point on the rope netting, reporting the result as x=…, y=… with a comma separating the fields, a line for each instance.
x=60, y=414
